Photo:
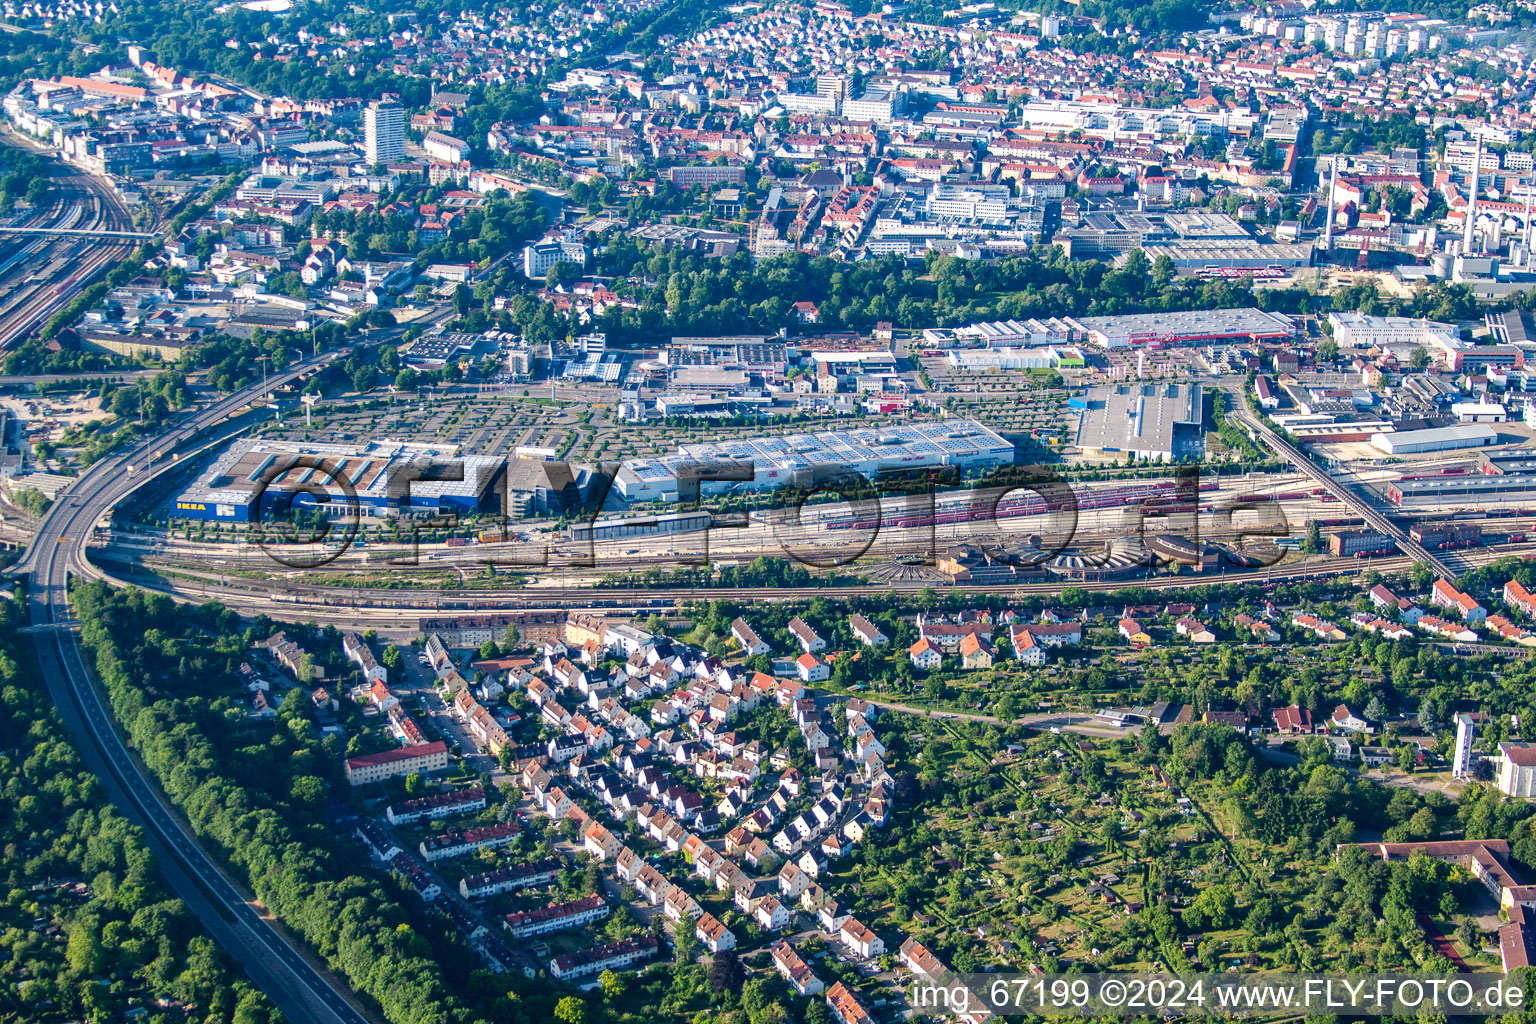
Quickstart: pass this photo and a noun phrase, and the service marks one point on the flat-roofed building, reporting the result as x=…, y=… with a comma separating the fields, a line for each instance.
x=1161, y=422
x=369, y=478
x=1435, y=439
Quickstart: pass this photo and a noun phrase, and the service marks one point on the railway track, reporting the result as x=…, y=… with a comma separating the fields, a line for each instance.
x=397, y=607
x=69, y=265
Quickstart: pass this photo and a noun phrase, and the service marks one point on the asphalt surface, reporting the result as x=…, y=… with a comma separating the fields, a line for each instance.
x=303, y=993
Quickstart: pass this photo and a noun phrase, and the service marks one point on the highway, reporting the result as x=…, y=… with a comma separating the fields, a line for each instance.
x=303, y=992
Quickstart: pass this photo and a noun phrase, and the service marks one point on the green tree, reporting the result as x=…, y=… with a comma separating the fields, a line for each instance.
x=685, y=947
x=571, y=1010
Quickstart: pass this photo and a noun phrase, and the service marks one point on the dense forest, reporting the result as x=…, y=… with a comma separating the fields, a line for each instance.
x=87, y=930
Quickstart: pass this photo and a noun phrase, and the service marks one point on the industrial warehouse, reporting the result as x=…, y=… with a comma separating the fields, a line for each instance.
x=803, y=460
x=376, y=478
x=372, y=478
x=1166, y=330
x=1160, y=422
x=1435, y=439
x=1500, y=479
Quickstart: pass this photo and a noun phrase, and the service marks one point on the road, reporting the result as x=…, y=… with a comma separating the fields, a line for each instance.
x=275, y=963
x=1355, y=503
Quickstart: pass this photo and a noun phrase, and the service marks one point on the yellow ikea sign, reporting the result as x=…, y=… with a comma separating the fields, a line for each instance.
x=192, y=505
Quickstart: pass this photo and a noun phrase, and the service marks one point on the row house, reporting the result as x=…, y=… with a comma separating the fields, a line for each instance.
x=457, y=844
x=357, y=651
x=556, y=917
x=513, y=879
x=288, y=654
x=794, y=970
x=1321, y=627
x=948, y=635
x=1450, y=630
x=479, y=723
x=611, y=956
x=1370, y=624
x=921, y=961
x=1260, y=629
x=1056, y=634
x=437, y=805
x=1507, y=630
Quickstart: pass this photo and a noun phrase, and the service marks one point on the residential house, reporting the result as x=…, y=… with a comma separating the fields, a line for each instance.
x=747, y=637
x=810, y=641
x=1132, y=631
x=1295, y=720
x=860, y=940
x=1444, y=595
x=925, y=655
x=794, y=970
x=1346, y=720
x=713, y=935
x=976, y=651
x=1026, y=648
x=1195, y=631
x=866, y=632
x=812, y=669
